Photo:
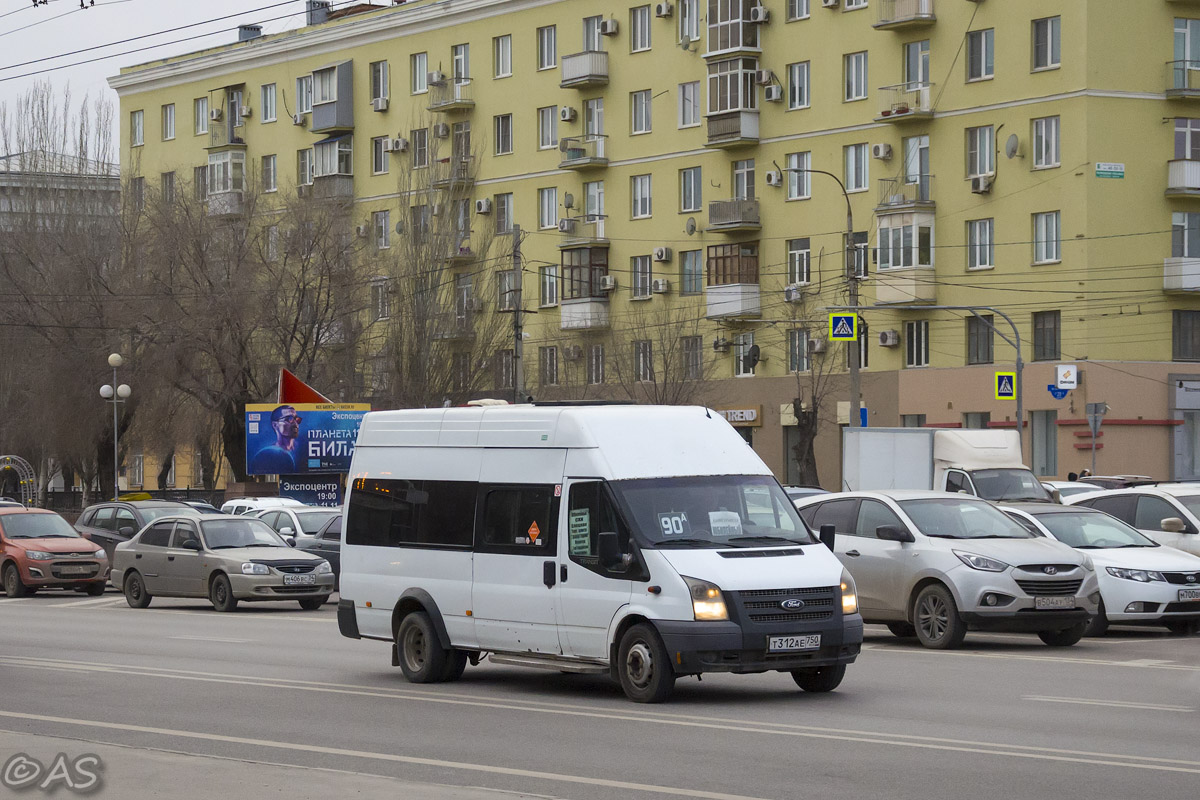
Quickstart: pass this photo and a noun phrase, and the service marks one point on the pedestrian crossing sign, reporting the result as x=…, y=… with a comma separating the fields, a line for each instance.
x=1006, y=386
x=843, y=328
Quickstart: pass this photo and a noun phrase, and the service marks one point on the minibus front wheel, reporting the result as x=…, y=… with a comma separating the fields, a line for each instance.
x=644, y=665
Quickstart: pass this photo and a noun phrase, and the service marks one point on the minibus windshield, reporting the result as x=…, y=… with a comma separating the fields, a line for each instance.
x=712, y=511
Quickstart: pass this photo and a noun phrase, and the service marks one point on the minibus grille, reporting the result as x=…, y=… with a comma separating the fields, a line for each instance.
x=763, y=605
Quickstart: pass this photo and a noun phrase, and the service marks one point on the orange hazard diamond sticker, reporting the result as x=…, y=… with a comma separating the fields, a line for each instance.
x=534, y=531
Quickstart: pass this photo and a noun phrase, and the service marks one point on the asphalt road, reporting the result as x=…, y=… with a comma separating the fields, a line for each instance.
x=177, y=698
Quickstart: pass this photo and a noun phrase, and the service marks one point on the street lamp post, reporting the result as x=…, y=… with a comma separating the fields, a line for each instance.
x=115, y=394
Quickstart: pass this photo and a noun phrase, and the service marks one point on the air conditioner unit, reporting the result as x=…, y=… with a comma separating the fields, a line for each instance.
x=304, y=190
x=399, y=145
x=245, y=111
x=566, y=225
x=882, y=151
x=759, y=15
x=774, y=178
x=773, y=93
x=660, y=286
x=435, y=78
x=793, y=294
x=572, y=352
x=830, y=3
x=663, y=10
x=608, y=27
x=721, y=345
x=388, y=146
x=662, y=254
x=608, y=283
x=764, y=77
x=297, y=119
x=361, y=231
x=816, y=345
x=889, y=338
x=567, y=114
x=483, y=206
x=441, y=130
x=214, y=114
x=379, y=103
x=981, y=184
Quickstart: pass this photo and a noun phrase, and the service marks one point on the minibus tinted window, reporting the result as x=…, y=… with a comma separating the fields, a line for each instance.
x=519, y=519
x=398, y=513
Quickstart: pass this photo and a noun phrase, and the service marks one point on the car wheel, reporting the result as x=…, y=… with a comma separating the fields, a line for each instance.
x=13, y=587
x=936, y=619
x=95, y=589
x=456, y=665
x=644, y=666
x=135, y=591
x=904, y=630
x=1097, y=625
x=220, y=593
x=313, y=603
x=819, y=679
x=422, y=659
x=1065, y=637
x=1179, y=627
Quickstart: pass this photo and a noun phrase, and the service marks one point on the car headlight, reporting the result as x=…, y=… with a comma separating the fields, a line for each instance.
x=981, y=562
x=707, y=602
x=38, y=555
x=255, y=569
x=849, y=594
x=323, y=568
x=1140, y=575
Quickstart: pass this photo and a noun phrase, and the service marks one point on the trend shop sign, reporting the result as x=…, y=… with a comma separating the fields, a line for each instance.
x=742, y=417
x=300, y=438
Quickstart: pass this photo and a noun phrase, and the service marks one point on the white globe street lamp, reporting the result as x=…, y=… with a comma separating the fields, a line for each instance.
x=115, y=394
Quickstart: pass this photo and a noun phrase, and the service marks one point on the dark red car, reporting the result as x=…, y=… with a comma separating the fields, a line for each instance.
x=40, y=549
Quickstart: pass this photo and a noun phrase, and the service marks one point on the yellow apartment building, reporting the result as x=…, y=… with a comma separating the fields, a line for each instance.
x=684, y=161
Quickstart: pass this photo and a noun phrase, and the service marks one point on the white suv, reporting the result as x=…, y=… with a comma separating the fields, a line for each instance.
x=244, y=505
x=1167, y=513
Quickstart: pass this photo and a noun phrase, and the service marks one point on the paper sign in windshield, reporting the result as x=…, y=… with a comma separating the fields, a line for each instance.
x=724, y=523
x=674, y=523
x=579, y=532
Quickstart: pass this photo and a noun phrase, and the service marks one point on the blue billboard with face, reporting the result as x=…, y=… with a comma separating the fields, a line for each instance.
x=301, y=438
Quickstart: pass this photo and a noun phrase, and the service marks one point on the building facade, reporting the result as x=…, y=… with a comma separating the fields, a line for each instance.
x=681, y=165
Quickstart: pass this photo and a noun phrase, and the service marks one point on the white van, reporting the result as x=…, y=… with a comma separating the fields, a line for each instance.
x=644, y=542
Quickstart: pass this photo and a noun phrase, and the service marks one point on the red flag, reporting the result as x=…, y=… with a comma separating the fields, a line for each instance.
x=294, y=390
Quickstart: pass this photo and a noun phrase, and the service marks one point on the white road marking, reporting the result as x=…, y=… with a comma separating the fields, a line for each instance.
x=1146, y=663
x=1112, y=703
x=209, y=639
x=95, y=601
x=716, y=723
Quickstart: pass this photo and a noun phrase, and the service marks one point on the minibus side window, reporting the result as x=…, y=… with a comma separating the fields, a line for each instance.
x=591, y=511
x=401, y=513
x=518, y=519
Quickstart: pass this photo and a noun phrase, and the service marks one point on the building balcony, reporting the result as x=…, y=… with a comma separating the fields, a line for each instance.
x=583, y=152
x=733, y=215
x=333, y=187
x=1181, y=274
x=581, y=70
x=733, y=300
x=454, y=172
x=905, y=286
x=906, y=101
x=585, y=231
x=453, y=326
x=451, y=95
x=912, y=193
x=590, y=313
x=1183, y=80
x=897, y=15
x=225, y=204
x=1183, y=178
x=222, y=134
x=732, y=129
x=460, y=251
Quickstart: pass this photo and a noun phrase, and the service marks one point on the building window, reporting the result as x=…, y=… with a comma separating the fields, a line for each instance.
x=200, y=182
x=916, y=341
x=731, y=85
x=1185, y=336
x=137, y=193
x=304, y=167
x=419, y=140
x=267, y=101
x=797, y=85
x=856, y=168
x=916, y=64
x=381, y=299
x=137, y=469
x=324, y=85
x=595, y=365
x=732, y=263
x=743, y=179
x=547, y=47
x=304, y=94
x=640, y=103
x=379, y=80
x=593, y=116
x=742, y=367
x=548, y=366
x=502, y=134
x=689, y=20
x=981, y=54
x=980, y=339
x=689, y=104
x=168, y=122
x=799, y=179
x=168, y=187
x=1044, y=439
x=333, y=158
x=856, y=76
x=798, y=264
x=852, y=5
x=505, y=369
x=1185, y=235
x=379, y=156
x=1046, y=46
x=729, y=25
x=912, y=420
x=976, y=419
x=692, y=350
x=582, y=269
x=981, y=244
x=639, y=267
x=200, y=115
x=861, y=250
x=547, y=127
x=137, y=132
x=641, y=196
x=235, y=107
x=1047, y=335
x=502, y=56
x=904, y=245
x=381, y=222
x=1046, y=238
x=690, y=189
x=1187, y=138
x=270, y=178
x=504, y=212
x=226, y=172
x=548, y=286
x=691, y=272
x=643, y=361
x=797, y=9
x=639, y=26
x=419, y=65
x=548, y=207
x=460, y=56
x=1045, y=142
x=798, y=350
x=981, y=151
x=593, y=201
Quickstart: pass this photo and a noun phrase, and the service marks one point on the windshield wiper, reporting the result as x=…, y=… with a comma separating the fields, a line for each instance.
x=261, y=544
x=689, y=543
x=224, y=547
x=765, y=539
x=943, y=535
x=995, y=536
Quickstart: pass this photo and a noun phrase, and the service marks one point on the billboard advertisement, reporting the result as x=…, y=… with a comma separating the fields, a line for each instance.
x=301, y=438
x=312, y=490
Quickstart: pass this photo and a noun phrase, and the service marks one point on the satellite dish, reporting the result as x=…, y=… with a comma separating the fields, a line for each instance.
x=1012, y=146
x=564, y=145
x=685, y=44
x=691, y=226
x=751, y=358
x=568, y=200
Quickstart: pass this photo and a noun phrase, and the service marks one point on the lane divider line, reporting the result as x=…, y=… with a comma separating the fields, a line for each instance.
x=1113, y=703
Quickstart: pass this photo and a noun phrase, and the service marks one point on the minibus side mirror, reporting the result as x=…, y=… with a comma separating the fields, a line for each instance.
x=890, y=533
x=827, y=534
x=608, y=549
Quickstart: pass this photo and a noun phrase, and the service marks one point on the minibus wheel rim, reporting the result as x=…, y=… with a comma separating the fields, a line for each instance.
x=639, y=665
x=414, y=648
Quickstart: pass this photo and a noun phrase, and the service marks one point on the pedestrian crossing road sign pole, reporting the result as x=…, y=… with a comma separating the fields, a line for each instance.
x=843, y=327
x=1006, y=386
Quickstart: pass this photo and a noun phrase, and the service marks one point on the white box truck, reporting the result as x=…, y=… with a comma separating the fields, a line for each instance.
x=986, y=463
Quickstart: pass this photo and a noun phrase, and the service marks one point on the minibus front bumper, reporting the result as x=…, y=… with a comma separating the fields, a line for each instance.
x=697, y=647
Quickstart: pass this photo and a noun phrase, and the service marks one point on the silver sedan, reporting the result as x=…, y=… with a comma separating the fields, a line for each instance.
x=225, y=559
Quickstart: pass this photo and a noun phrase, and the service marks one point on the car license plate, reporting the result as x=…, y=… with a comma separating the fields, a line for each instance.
x=1189, y=594
x=786, y=644
x=1057, y=603
x=291, y=580
x=74, y=570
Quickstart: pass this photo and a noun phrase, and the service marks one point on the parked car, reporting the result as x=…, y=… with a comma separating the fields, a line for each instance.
x=1167, y=513
x=936, y=566
x=40, y=549
x=1068, y=488
x=301, y=524
x=327, y=543
x=1140, y=580
x=798, y=492
x=245, y=505
x=8, y=502
x=109, y=524
x=226, y=559
x=203, y=506
x=1117, y=481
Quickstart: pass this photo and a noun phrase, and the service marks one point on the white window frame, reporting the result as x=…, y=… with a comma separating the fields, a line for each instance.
x=270, y=173
x=502, y=56
x=168, y=122
x=1052, y=27
x=742, y=342
x=1046, y=138
x=643, y=361
x=689, y=20
x=689, y=104
x=639, y=29
x=381, y=300
x=419, y=66
x=137, y=128
x=731, y=85
x=304, y=94
x=304, y=167
x=798, y=360
x=797, y=9
x=380, y=88
x=798, y=87
x=983, y=44
x=548, y=207
x=502, y=134
x=419, y=141
x=379, y=157
x=381, y=225
x=200, y=116
x=547, y=127
x=981, y=243
x=325, y=88
x=548, y=366
x=855, y=72
x=548, y=286
x=691, y=189
x=333, y=158
x=899, y=245
x=799, y=261
x=460, y=58
x=641, y=271
x=503, y=209
x=267, y=94
x=916, y=343
x=547, y=47
x=743, y=179
x=799, y=180
x=641, y=191
x=1047, y=237
x=640, y=112
x=595, y=365
x=691, y=272
x=854, y=5
x=1185, y=234
x=981, y=151
x=226, y=172
x=858, y=167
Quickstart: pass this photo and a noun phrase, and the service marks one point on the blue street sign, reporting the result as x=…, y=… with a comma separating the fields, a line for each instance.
x=1056, y=392
x=862, y=416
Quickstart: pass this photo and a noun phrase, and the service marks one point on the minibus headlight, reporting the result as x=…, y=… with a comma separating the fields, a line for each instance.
x=849, y=594
x=707, y=602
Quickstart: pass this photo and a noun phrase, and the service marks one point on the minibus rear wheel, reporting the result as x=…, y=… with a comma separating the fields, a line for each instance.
x=644, y=665
x=422, y=659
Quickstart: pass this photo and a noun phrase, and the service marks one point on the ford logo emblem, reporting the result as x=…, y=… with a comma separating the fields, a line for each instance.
x=1050, y=570
x=791, y=604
